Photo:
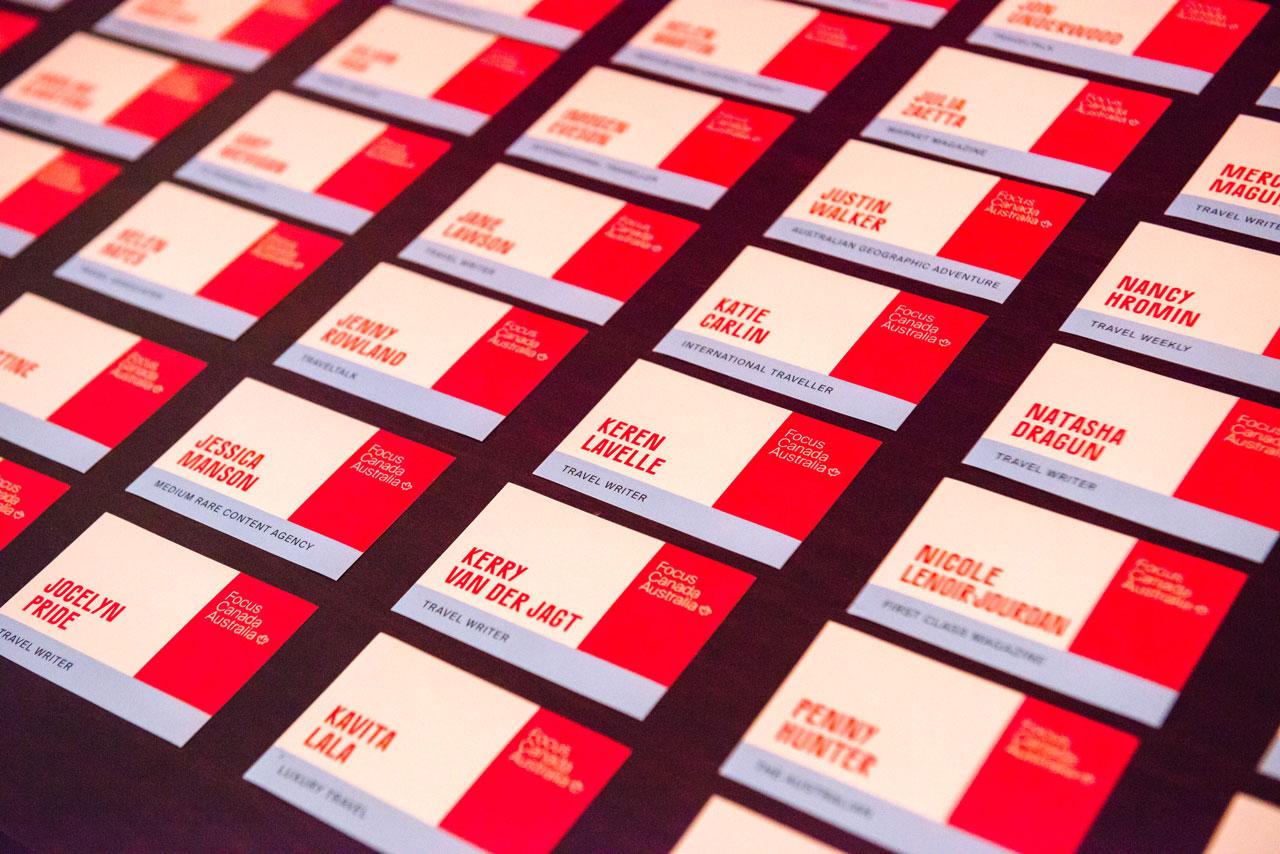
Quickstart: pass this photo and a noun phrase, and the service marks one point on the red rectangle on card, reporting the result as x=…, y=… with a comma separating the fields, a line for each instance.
x=809, y=462
x=113, y=404
x=24, y=495
x=649, y=635
x=538, y=807
x=499, y=370
x=1045, y=781
x=371, y=489
x=225, y=643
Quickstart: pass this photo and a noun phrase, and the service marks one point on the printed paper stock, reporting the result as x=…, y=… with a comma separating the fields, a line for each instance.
x=313, y=162
x=955, y=228
x=115, y=99
x=1007, y=117
x=723, y=825
x=40, y=184
x=1270, y=764
x=148, y=630
x=648, y=136
x=1179, y=44
x=72, y=388
x=465, y=79
x=14, y=28
x=46, y=5
x=239, y=34
x=1093, y=614
x=1271, y=96
x=1190, y=300
x=1182, y=459
x=917, y=756
x=1249, y=825
x=921, y=13
x=24, y=496
x=431, y=350
x=198, y=260
x=724, y=468
x=406, y=753
x=549, y=243
x=292, y=478
x=1237, y=187
x=554, y=23
x=845, y=344
x=780, y=53
x=593, y=606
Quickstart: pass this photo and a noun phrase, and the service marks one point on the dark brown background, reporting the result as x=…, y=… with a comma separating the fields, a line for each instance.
x=75, y=777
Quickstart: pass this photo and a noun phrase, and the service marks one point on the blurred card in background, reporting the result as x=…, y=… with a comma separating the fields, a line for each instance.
x=652, y=137
x=407, y=753
x=431, y=350
x=115, y=99
x=198, y=260
x=1007, y=117
x=465, y=79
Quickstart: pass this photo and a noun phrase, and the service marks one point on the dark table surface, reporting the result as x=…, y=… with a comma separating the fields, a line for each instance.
x=75, y=777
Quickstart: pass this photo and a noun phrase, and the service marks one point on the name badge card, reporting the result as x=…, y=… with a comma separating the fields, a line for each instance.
x=1237, y=187
x=152, y=632
x=1270, y=764
x=40, y=184
x=72, y=387
x=917, y=756
x=723, y=825
x=1007, y=117
x=404, y=752
x=746, y=475
x=106, y=96
x=1249, y=825
x=920, y=13
x=1164, y=295
x=838, y=342
x=320, y=164
x=14, y=28
x=1271, y=95
x=590, y=605
x=464, y=80
x=430, y=350
x=779, y=53
x=553, y=23
x=1178, y=44
x=292, y=478
x=653, y=137
x=24, y=496
x=239, y=34
x=1176, y=457
x=549, y=243
x=198, y=260
x=932, y=222
x=1102, y=617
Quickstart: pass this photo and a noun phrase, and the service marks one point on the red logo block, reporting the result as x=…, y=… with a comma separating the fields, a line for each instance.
x=1238, y=472
x=1158, y=614
x=791, y=483
x=116, y=402
x=536, y=787
x=666, y=614
x=369, y=491
x=500, y=369
x=726, y=143
x=225, y=643
x=1042, y=786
